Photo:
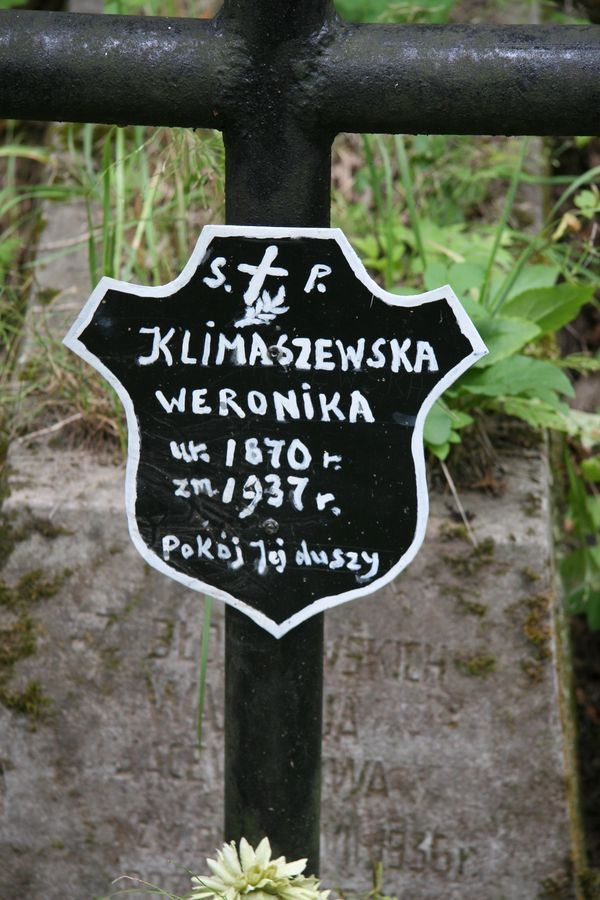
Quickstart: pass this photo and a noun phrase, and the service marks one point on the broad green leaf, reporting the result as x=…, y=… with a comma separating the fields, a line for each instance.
x=519, y=376
x=438, y=425
x=550, y=308
x=439, y=450
x=435, y=275
x=536, y=276
x=463, y=277
x=504, y=336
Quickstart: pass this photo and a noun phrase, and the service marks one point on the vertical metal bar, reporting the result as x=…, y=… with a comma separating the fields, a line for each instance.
x=276, y=174
x=273, y=688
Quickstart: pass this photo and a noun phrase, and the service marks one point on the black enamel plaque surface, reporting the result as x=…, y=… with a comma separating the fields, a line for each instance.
x=275, y=398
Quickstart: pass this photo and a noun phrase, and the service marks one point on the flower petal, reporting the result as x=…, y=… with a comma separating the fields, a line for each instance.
x=247, y=855
x=263, y=853
x=231, y=859
x=292, y=868
x=221, y=871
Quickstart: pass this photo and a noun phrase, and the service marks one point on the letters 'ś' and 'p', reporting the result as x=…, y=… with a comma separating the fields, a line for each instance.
x=290, y=477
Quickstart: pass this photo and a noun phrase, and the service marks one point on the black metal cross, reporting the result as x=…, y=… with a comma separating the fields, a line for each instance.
x=281, y=78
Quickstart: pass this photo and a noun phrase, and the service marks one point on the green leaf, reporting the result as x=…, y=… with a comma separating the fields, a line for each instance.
x=579, y=362
x=519, y=376
x=590, y=468
x=534, y=411
x=550, y=308
x=438, y=426
x=462, y=277
x=542, y=275
x=504, y=336
x=435, y=275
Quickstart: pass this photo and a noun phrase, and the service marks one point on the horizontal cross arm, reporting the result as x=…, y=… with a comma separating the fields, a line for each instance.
x=453, y=79
x=113, y=69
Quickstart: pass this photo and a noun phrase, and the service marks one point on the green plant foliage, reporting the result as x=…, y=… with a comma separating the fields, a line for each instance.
x=416, y=228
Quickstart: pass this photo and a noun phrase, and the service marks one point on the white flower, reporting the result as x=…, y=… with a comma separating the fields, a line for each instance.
x=255, y=875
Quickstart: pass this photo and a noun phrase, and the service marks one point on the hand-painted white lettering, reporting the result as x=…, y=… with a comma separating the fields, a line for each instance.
x=425, y=352
x=226, y=402
x=259, y=351
x=359, y=406
x=257, y=403
x=399, y=357
x=189, y=452
x=230, y=452
x=278, y=558
x=254, y=454
x=274, y=494
x=203, y=546
x=207, y=344
x=282, y=406
x=298, y=485
x=177, y=403
x=198, y=401
x=330, y=405
x=377, y=360
x=197, y=486
x=159, y=345
x=259, y=274
x=323, y=355
x=309, y=409
x=169, y=544
x=203, y=486
x=351, y=355
x=261, y=563
x=298, y=455
x=239, y=557
x=215, y=267
x=323, y=500
x=331, y=458
x=318, y=271
x=237, y=348
x=337, y=558
x=285, y=354
x=352, y=564
x=285, y=405
x=182, y=487
x=223, y=551
x=274, y=448
x=228, y=490
x=253, y=492
x=303, y=353
x=302, y=360
x=373, y=560
x=186, y=359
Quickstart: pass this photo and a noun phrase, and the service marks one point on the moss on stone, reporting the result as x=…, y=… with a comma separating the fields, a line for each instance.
x=536, y=626
x=479, y=665
x=17, y=641
x=31, y=701
x=468, y=564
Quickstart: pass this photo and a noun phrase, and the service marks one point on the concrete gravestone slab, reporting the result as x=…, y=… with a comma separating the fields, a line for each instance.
x=444, y=757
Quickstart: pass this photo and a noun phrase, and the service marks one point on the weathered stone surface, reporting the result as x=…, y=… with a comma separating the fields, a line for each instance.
x=444, y=757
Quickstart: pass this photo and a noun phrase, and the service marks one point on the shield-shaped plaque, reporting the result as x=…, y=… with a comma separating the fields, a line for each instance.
x=275, y=399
